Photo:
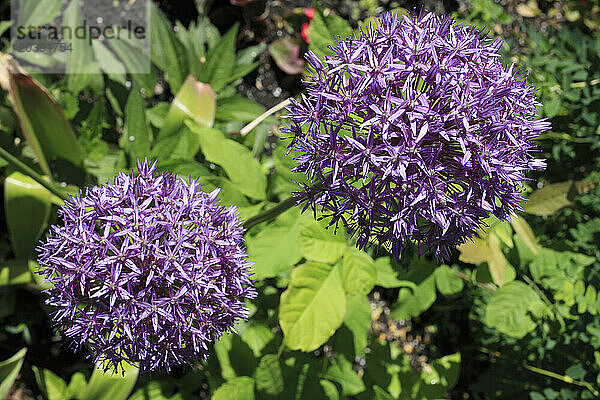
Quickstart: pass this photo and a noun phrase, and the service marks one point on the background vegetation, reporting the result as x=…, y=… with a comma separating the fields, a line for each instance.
x=514, y=315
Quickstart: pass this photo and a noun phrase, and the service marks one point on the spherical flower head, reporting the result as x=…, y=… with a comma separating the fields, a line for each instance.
x=146, y=269
x=414, y=132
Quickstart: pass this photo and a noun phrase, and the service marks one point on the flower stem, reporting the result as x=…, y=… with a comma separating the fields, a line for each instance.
x=26, y=170
x=246, y=130
x=270, y=213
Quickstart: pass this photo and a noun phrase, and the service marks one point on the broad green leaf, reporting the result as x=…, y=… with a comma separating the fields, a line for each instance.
x=16, y=272
x=268, y=375
x=448, y=283
x=240, y=388
x=38, y=13
x=77, y=385
x=313, y=306
x=137, y=136
x=220, y=61
x=181, y=146
x=359, y=272
x=387, y=277
x=551, y=198
x=50, y=384
x=322, y=30
x=269, y=258
x=42, y=121
x=526, y=234
x=257, y=336
x=330, y=389
x=237, y=108
x=508, y=310
x=131, y=55
x=433, y=382
x=320, y=244
x=167, y=51
x=235, y=357
x=413, y=301
x=488, y=250
x=80, y=63
x=358, y=321
x=237, y=161
x=496, y=260
x=341, y=371
x=194, y=100
x=110, y=385
x=552, y=268
x=9, y=370
x=27, y=205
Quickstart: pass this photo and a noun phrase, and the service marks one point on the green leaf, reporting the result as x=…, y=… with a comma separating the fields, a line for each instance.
x=220, y=61
x=38, y=13
x=80, y=61
x=238, y=108
x=387, y=277
x=168, y=53
x=412, y=302
x=43, y=122
x=237, y=161
x=15, y=272
x=27, y=211
x=330, y=389
x=320, y=244
x=9, y=370
x=257, y=336
x=240, y=388
x=313, y=306
x=235, y=357
x=341, y=371
x=137, y=136
x=551, y=198
x=358, y=321
x=381, y=394
x=110, y=385
x=322, y=30
x=448, y=283
x=50, y=384
x=194, y=100
x=508, y=310
x=552, y=268
x=268, y=375
x=359, y=272
x=77, y=385
x=269, y=259
x=431, y=383
x=181, y=146
x=526, y=234
x=134, y=59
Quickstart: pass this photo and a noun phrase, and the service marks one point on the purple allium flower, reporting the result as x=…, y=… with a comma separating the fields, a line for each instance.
x=147, y=269
x=415, y=132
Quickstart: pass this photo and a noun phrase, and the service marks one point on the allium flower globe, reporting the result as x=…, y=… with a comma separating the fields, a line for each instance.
x=146, y=269
x=413, y=132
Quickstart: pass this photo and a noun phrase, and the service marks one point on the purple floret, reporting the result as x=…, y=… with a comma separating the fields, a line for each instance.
x=147, y=269
x=414, y=132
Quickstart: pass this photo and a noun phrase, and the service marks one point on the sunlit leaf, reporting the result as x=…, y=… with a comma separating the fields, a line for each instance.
x=313, y=306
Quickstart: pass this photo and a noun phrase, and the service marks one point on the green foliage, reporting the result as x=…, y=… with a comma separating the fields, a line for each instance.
x=516, y=311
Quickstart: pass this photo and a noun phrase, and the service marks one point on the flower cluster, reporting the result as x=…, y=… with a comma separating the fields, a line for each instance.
x=146, y=269
x=413, y=132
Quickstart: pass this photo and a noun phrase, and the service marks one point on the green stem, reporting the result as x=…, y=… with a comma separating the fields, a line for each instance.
x=545, y=372
x=26, y=170
x=564, y=378
x=271, y=213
